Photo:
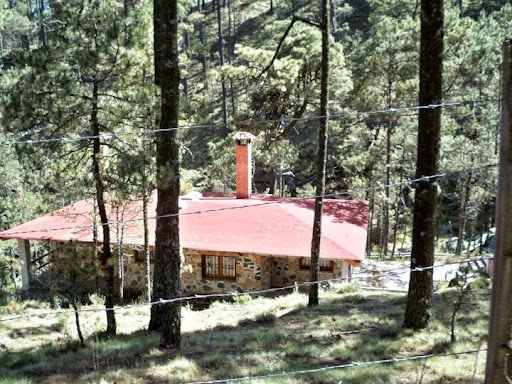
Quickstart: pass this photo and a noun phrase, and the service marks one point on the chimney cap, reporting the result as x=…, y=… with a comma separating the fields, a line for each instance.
x=243, y=138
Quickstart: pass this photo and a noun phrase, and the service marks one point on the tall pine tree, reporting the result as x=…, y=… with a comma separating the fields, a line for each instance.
x=419, y=298
x=166, y=279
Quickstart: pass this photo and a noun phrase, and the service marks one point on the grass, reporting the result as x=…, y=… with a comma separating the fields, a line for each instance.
x=262, y=336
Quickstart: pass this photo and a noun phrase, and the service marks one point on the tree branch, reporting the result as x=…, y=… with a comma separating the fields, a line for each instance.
x=116, y=97
x=307, y=21
x=297, y=115
x=290, y=26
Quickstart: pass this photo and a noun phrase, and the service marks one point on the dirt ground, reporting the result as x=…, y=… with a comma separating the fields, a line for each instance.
x=394, y=275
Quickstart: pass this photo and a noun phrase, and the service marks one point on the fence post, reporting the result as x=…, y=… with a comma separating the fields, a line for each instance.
x=501, y=303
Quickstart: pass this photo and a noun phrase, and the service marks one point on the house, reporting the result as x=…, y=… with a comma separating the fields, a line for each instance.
x=229, y=242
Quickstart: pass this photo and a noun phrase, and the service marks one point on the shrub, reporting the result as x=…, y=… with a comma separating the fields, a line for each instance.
x=97, y=300
x=242, y=299
x=347, y=288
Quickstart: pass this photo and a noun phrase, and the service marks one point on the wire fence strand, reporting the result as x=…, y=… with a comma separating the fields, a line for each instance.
x=392, y=360
x=71, y=139
x=335, y=194
x=234, y=294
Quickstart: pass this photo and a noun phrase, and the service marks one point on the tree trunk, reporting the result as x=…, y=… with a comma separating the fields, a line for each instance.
x=42, y=28
x=231, y=49
x=272, y=180
x=397, y=209
x=77, y=321
x=147, y=253
x=498, y=358
x=385, y=224
x=106, y=260
x=462, y=214
x=419, y=298
x=201, y=39
x=389, y=132
x=120, y=253
x=95, y=236
x=370, y=196
x=166, y=278
x=186, y=46
x=221, y=62
x=321, y=156
x=403, y=238
x=380, y=230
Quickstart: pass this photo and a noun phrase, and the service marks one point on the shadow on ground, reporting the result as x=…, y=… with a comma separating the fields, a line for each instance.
x=351, y=327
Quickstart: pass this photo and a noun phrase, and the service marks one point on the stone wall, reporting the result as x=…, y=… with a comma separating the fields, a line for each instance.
x=70, y=259
x=134, y=266
x=253, y=272
x=249, y=274
x=286, y=271
x=74, y=264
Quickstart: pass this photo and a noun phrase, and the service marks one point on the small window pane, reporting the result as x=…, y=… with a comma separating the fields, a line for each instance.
x=325, y=265
x=219, y=267
x=305, y=263
x=228, y=267
x=212, y=266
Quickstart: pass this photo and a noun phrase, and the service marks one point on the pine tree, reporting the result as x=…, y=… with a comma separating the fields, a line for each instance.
x=85, y=76
x=321, y=154
x=419, y=298
x=166, y=279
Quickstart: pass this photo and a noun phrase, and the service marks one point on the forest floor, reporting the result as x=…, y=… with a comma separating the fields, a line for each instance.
x=252, y=337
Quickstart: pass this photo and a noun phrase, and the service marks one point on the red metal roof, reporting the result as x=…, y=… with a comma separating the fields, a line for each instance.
x=262, y=225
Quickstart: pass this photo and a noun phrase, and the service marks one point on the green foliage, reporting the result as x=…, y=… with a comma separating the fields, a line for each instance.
x=348, y=288
x=242, y=299
x=97, y=300
x=62, y=323
x=46, y=91
x=306, y=190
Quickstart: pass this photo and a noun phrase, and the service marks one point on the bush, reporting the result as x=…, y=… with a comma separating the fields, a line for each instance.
x=97, y=300
x=242, y=299
x=481, y=283
x=62, y=323
x=347, y=288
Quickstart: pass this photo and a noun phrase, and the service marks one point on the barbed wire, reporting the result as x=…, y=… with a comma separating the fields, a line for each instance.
x=262, y=203
x=234, y=294
x=341, y=366
x=70, y=139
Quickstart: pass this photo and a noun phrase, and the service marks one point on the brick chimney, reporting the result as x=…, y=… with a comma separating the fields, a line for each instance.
x=243, y=165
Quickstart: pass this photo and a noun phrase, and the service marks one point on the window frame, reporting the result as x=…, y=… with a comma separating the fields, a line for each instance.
x=220, y=268
x=323, y=268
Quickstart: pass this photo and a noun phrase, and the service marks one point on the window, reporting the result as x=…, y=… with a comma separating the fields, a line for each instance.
x=325, y=265
x=219, y=267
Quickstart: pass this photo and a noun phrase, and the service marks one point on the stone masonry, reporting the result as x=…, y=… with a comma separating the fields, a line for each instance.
x=253, y=272
x=286, y=271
